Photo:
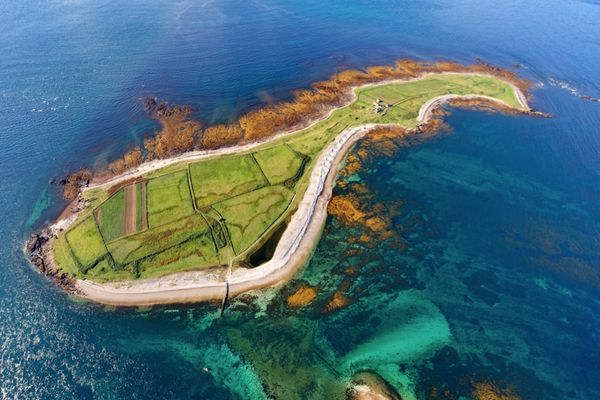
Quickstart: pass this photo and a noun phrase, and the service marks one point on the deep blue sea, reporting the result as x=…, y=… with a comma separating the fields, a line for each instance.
x=498, y=289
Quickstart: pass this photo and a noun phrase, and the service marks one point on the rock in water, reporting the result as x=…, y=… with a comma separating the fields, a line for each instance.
x=33, y=244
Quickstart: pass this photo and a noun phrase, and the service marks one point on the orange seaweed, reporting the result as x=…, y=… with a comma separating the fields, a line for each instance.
x=303, y=296
x=490, y=390
x=337, y=302
x=346, y=209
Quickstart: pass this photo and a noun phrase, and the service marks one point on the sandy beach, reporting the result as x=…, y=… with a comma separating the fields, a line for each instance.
x=293, y=250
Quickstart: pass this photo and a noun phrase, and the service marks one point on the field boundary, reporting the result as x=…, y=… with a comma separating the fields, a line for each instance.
x=267, y=229
x=191, y=187
x=261, y=171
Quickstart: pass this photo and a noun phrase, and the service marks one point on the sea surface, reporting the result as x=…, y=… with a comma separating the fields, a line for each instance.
x=491, y=286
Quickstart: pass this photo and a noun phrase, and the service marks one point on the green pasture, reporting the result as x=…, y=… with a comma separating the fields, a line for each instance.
x=437, y=85
x=168, y=198
x=197, y=253
x=186, y=201
x=155, y=240
x=85, y=242
x=103, y=273
x=139, y=216
x=111, y=217
x=219, y=179
x=62, y=255
x=219, y=236
x=210, y=213
x=249, y=215
x=312, y=144
x=278, y=163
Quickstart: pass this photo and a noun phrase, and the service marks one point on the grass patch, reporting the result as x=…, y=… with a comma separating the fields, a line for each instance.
x=312, y=144
x=103, y=273
x=139, y=207
x=249, y=215
x=219, y=236
x=85, y=242
x=197, y=253
x=278, y=163
x=155, y=240
x=219, y=179
x=433, y=86
x=62, y=255
x=168, y=198
x=111, y=217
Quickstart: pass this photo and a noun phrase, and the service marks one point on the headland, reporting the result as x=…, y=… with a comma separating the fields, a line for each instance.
x=175, y=228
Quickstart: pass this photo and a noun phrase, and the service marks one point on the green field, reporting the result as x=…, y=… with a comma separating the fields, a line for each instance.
x=249, y=215
x=278, y=163
x=216, y=212
x=139, y=223
x=110, y=217
x=85, y=242
x=196, y=253
x=217, y=229
x=62, y=255
x=103, y=272
x=223, y=178
x=168, y=198
x=312, y=143
x=152, y=241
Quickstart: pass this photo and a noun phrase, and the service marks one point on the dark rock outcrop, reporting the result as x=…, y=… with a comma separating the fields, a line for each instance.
x=38, y=246
x=540, y=114
x=33, y=244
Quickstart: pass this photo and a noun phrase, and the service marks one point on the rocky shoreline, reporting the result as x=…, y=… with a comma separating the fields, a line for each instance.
x=40, y=254
x=38, y=249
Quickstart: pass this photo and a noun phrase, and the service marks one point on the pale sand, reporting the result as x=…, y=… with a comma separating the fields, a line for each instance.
x=295, y=246
x=427, y=108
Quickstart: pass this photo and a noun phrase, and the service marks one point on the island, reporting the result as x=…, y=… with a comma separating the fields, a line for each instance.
x=245, y=211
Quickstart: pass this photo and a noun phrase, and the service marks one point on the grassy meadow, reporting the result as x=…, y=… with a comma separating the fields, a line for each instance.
x=278, y=163
x=219, y=179
x=85, y=242
x=248, y=216
x=168, y=198
x=151, y=241
x=110, y=217
x=196, y=253
x=139, y=222
x=216, y=212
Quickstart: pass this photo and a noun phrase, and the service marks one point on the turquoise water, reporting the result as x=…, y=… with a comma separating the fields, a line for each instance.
x=490, y=277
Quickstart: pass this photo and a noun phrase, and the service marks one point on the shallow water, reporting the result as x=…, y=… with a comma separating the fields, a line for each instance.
x=490, y=281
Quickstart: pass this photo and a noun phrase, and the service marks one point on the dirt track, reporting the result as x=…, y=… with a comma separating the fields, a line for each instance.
x=130, y=209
